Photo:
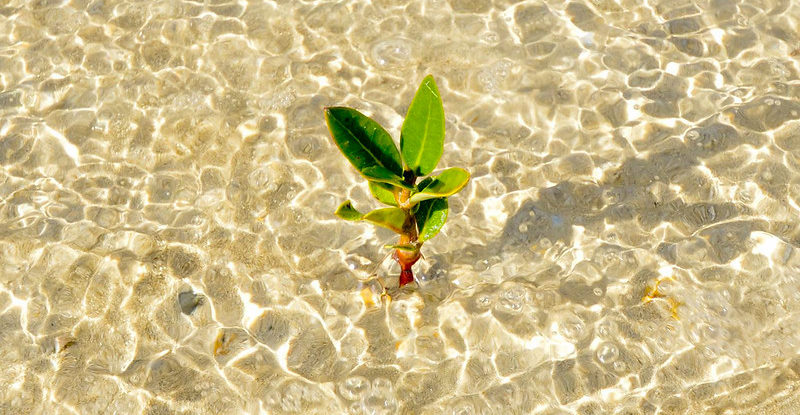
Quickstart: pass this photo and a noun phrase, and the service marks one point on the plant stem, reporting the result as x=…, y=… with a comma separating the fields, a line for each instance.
x=404, y=258
x=406, y=276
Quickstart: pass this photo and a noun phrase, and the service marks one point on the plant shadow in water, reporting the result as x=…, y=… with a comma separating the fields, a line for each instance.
x=639, y=197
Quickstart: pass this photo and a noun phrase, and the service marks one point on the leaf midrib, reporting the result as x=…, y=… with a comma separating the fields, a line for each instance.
x=362, y=144
x=425, y=131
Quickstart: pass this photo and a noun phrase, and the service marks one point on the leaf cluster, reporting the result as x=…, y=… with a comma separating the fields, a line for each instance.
x=417, y=210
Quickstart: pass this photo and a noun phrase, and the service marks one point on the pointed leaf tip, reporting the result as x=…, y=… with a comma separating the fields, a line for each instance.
x=346, y=211
x=422, y=134
x=447, y=183
x=392, y=218
x=431, y=216
x=365, y=143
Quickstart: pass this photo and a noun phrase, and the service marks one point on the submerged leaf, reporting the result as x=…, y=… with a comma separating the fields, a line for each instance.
x=364, y=142
x=431, y=215
x=383, y=192
x=424, y=183
x=390, y=218
x=422, y=134
x=346, y=211
x=403, y=247
x=382, y=175
x=445, y=184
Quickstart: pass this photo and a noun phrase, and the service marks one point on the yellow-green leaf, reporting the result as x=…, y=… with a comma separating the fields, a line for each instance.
x=423, y=184
x=346, y=211
x=364, y=142
x=445, y=184
x=422, y=134
x=383, y=192
x=404, y=247
x=382, y=175
x=390, y=218
x=431, y=215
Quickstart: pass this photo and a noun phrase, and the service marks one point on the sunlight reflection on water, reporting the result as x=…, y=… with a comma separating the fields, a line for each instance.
x=626, y=245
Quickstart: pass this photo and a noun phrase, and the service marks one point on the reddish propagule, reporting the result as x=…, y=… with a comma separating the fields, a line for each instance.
x=406, y=259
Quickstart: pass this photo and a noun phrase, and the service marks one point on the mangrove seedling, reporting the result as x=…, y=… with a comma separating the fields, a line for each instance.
x=418, y=210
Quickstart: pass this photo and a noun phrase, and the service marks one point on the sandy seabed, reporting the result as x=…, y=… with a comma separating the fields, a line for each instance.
x=626, y=244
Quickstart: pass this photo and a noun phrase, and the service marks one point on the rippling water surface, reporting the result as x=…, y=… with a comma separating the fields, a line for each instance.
x=627, y=245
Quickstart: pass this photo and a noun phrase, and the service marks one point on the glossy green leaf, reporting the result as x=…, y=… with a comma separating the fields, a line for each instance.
x=346, y=211
x=404, y=247
x=383, y=192
x=445, y=184
x=382, y=175
x=365, y=143
x=422, y=134
x=423, y=184
x=431, y=215
x=390, y=218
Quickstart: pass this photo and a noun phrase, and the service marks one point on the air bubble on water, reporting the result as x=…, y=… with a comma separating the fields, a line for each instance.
x=607, y=353
x=619, y=366
x=381, y=399
x=392, y=52
x=497, y=189
x=741, y=21
x=483, y=301
x=696, y=332
x=598, y=292
x=383, y=385
x=259, y=177
x=709, y=352
x=464, y=408
x=572, y=327
x=355, y=387
x=513, y=298
x=292, y=398
x=492, y=76
x=357, y=408
x=490, y=37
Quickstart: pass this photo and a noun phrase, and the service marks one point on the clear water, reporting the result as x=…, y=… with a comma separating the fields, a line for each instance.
x=627, y=244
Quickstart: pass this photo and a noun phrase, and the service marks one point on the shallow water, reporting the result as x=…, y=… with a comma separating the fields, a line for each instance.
x=627, y=244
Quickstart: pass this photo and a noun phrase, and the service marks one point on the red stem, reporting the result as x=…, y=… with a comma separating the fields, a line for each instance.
x=405, y=258
x=406, y=276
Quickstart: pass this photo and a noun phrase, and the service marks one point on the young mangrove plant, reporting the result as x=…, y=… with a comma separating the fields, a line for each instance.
x=418, y=209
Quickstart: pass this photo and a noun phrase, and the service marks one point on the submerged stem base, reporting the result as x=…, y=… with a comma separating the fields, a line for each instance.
x=406, y=260
x=406, y=277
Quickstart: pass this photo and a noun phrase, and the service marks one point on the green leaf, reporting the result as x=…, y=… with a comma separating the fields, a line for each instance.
x=382, y=175
x=404, y=247
x=383, y=192
x=422, y=134
x=423, y=184
x=445, y=184
x=390, y=218
x=431, y=215
x=346, y=211
x=365, y=143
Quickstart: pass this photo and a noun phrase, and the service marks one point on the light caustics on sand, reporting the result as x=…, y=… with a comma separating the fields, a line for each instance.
x=627, y=242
